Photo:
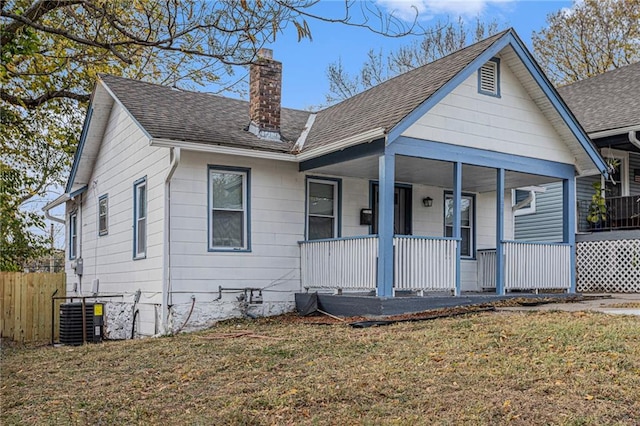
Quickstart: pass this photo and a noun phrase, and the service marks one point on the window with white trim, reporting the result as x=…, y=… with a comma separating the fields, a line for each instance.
x=618, y=183
x=140, y=218
x=525, y=200
x=322, y=209
x=73, y=235
x=103, y=215
x=467, y=215
x=228, y=208
x=489, y=78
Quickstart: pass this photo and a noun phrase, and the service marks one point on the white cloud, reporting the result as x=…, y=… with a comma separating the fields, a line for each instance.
x=427, y=9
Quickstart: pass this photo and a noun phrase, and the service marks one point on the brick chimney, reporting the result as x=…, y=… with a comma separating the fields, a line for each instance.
x=265, y=92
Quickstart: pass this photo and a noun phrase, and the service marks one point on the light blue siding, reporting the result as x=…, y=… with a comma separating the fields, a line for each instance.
x=546, y=223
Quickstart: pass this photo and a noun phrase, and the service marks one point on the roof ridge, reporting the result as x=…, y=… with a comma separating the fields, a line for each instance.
x=417, y=69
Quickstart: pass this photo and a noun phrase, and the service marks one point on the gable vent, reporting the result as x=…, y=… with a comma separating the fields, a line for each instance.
x=488, y=78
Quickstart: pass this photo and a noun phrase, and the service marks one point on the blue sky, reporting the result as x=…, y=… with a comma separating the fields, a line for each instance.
x=304, y=63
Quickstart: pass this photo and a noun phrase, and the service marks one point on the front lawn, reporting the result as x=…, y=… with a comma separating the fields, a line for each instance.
x=489, y=368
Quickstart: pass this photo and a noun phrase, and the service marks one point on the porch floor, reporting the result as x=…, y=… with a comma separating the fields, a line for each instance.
x=349, y=305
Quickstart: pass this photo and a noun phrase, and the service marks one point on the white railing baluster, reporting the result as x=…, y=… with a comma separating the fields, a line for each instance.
x=533, y=265
x=339, y=263
x=424, y=263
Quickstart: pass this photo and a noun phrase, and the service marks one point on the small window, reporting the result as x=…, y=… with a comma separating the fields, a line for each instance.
x=73, y=235
x=228, y=208
x=140, y=218
x=322, y=209
x=523, y=201
x=489, y=78
x=467, y=213
x=103, y=215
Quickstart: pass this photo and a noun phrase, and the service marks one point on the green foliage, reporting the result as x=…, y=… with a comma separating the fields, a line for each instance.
x=598, y=206
x=52, y=51
x=590, y=38
x=18, y=243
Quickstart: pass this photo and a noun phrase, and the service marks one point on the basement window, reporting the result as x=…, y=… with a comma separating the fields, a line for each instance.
x=489, y=78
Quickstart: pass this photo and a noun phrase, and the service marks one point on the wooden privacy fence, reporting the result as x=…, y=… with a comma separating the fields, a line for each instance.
x=25, y=303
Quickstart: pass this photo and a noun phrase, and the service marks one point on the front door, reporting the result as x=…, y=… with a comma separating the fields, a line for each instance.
x=401, y=212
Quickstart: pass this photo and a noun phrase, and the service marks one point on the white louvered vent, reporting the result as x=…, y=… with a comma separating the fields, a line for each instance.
x=489, y=78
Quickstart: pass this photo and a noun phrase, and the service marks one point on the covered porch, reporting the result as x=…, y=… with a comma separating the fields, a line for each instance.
x=458, y=235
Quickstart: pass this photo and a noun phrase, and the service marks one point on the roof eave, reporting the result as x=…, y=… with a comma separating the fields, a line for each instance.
x=221, y=149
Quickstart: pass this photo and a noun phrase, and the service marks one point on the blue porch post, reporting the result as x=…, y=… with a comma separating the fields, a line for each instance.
x=457, y=219
x=500, y=232
x=386, y=177
x=569, y=224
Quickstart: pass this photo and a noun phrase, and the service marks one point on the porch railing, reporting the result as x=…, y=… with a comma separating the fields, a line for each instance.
x=340, y=263
x=531, y=265
x=621, y=213
x=424, y=263
x=487, y=268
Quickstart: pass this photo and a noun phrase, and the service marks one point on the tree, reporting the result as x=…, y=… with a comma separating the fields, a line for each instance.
x=590, y=38
x=17, y=244
x=52, y=50
x=442, y=40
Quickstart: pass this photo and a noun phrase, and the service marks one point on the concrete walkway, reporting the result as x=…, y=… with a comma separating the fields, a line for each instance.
x=622, y=304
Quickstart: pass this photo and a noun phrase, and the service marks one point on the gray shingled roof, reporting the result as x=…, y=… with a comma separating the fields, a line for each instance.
x=607, y=101
x=386, y=104
x=181, y=115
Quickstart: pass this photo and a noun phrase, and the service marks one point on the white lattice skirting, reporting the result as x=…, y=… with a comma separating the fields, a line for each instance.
x=608, y=266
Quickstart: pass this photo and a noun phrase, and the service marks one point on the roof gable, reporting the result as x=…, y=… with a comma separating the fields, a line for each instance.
x=388, y=103
x=547, y=97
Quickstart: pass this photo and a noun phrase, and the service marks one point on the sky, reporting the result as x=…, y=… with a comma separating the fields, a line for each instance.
x=304, y=81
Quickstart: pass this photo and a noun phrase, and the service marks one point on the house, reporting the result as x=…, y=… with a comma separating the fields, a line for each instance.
x=608, y=108
x=194, y=207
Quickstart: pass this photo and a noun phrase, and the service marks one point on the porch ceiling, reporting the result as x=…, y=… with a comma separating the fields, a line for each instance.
x=433, y=173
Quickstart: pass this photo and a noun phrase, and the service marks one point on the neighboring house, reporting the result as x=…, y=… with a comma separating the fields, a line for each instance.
x=196, y=207
x=608, y=107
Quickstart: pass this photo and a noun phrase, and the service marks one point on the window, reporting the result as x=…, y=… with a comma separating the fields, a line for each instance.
x=140, y=218
x=103, y=214
x=228, y=208
x=323, y=209
x=489, y=78
x=524, y=200
x=618, y=183
x=467, y=231
x=73, y=235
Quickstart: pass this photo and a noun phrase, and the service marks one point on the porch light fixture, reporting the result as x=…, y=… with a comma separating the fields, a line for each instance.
x=427, y=202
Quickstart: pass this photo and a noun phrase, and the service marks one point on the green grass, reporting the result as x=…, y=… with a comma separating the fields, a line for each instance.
x=492, y=368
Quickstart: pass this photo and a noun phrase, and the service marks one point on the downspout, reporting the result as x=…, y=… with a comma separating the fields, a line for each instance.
x=79, y=232
x=633, y=138
x=166, y=291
